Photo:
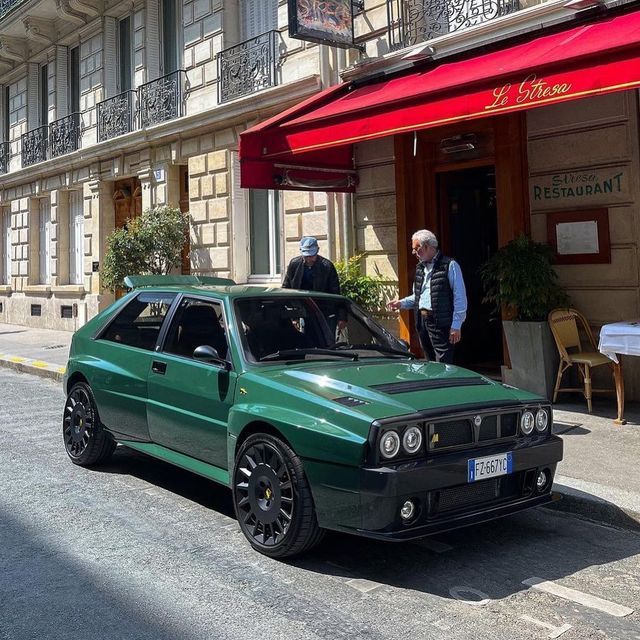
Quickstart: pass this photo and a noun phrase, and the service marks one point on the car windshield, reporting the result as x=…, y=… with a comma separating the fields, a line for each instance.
x=290, y=328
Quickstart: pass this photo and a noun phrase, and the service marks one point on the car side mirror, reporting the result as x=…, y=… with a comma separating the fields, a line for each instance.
x=207, y=353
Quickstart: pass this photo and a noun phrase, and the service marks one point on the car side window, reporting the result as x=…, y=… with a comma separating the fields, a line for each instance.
x=197, y=323
x=139, y=323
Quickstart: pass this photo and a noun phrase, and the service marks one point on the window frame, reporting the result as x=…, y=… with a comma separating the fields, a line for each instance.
x=73, y=64
x=274, y=225
x=44, y=243
x=131, y=55
x=178, y=37
x=164, y=337
x=43, y=90
x=76, y=240
x=6, y=246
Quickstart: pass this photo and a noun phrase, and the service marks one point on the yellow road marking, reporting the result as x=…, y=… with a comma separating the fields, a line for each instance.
x=16, y=359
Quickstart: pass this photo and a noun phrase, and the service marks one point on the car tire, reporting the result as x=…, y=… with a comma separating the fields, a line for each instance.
x=85, y=439
x=272, y=498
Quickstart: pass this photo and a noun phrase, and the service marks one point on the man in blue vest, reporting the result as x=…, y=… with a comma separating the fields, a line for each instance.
x=439, y=298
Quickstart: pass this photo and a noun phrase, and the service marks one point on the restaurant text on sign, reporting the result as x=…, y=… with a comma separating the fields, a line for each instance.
x=531, y=89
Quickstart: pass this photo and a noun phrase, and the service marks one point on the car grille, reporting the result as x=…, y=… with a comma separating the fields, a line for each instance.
x=477, y=493
x=463, y=432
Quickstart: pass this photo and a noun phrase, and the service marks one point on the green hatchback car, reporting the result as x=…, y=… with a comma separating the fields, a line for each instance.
x=248, y=386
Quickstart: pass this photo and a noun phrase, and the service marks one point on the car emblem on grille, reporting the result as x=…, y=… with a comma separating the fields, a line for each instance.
x=477, y=420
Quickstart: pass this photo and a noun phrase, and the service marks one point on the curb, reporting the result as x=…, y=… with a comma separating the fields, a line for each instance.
x=586, y=505
x=34, y=367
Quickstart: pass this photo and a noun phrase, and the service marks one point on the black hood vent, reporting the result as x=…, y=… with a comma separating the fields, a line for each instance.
x=349, y=401
x=426, y=385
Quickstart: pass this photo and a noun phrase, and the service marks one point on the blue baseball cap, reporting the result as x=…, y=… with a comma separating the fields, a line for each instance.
x=309, y=246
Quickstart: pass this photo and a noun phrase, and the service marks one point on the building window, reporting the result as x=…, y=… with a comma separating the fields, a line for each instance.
x=170, y=36
x=44, y=95
x=76, y=237
x=45, y=240
x=264, y=233
x=257, y=17
x=6, y=246
x=74, y=80
x=124, y=53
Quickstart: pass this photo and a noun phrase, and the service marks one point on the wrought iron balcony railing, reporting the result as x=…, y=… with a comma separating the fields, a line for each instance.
x=7, y=5
x=64, y=135
x=4, y=157
x=116, y=115
x=414, y=21
x=247, y=67
x=162, y=99
x=34, y=146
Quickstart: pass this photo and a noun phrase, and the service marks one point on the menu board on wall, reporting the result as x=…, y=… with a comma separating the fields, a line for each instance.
x=579, y=237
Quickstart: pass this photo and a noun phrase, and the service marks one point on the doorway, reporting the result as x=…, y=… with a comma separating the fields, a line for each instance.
x=469, y=234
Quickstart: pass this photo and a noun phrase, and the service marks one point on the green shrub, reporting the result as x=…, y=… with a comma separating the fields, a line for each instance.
x=365, y=291
x=521, y=278
x=149, y=244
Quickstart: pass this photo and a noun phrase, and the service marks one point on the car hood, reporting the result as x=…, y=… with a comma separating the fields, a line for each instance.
x=387, y=388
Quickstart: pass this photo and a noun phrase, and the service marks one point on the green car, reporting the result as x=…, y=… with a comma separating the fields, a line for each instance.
x=250, y=387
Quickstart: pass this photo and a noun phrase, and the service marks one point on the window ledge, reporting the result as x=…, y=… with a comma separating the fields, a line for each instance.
x=37, y=289
x=69, y=290
x=5, y=288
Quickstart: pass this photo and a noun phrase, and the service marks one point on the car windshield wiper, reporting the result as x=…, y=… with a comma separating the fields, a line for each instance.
x=301, y=353
x=345, y=346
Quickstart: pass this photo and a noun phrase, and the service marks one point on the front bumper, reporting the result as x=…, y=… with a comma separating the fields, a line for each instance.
x=445, y=499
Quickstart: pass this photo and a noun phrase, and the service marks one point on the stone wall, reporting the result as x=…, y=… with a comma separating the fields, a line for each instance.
x=592, y=143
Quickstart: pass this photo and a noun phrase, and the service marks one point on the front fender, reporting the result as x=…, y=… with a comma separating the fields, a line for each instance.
x=311, y=437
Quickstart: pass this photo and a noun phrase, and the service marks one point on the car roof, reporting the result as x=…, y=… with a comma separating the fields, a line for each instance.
x=234, y=291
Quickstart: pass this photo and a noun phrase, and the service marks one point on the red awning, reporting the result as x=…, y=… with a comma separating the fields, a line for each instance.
x=311, y=143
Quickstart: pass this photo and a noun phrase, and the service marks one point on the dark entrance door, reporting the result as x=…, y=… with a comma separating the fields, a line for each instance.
x=469, y=233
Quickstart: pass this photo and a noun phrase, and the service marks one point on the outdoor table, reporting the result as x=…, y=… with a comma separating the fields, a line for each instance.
x=620, y=338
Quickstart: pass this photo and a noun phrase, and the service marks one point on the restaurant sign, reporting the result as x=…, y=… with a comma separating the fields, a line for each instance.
x=327, y=22
x=579, y=187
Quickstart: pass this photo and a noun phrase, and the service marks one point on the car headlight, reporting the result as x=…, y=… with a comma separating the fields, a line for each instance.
x=526, y=422
x=542, y=420
x=412, y=439
x=389, y=444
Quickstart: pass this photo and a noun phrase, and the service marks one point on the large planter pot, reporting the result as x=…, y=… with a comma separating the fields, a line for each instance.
x=534, y=357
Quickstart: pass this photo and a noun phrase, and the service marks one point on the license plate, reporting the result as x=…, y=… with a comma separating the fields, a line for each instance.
x=489, y=467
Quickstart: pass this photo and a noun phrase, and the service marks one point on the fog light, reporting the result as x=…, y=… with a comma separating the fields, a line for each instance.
x=541, y=481
x=408, y=509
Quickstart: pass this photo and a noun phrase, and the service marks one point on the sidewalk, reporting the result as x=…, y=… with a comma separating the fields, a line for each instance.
x=598, y=477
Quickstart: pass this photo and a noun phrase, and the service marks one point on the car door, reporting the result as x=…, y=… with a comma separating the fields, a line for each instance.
x=189, y=400
x=123, y=352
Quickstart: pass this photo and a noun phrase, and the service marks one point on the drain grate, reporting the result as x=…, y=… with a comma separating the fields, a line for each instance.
x=54, y=346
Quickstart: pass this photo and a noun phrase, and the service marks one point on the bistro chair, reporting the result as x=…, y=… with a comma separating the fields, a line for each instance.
x=570, y=328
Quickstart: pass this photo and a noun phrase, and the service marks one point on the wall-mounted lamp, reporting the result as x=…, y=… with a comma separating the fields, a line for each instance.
x=315, y=184
x=579, y=5
x=459, y=143
x=425, y=52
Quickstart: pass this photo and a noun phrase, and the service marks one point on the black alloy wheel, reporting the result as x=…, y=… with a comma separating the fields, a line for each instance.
x=85, y=440
x=272, y=498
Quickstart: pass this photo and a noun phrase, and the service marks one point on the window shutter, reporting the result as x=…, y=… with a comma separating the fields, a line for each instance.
x=152, y=37
x=239, y=225
x=76, y=237
x=33, y=109
x=110, y=54
x=45, y=237
x=62, y=82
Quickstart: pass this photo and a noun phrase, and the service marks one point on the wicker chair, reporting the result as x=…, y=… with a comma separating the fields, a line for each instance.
x=566, y=327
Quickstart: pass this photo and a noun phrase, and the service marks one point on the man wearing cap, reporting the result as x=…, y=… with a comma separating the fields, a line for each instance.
x=439, y=298
x=311, y=271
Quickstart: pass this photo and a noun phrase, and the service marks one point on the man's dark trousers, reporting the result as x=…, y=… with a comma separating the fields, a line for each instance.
x=435, y=340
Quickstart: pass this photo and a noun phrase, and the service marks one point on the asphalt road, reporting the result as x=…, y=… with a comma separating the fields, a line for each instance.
x=139, y=549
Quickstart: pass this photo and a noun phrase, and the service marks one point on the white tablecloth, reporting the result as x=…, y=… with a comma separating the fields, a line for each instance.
x=620, y=337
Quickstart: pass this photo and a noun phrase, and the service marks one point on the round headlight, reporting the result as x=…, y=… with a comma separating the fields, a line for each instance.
x=389, y=444
x=412, y=439
x=542, y=420
x=526, y=423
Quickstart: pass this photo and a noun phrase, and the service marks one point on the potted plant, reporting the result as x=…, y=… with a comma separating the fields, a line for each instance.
x=521, y=281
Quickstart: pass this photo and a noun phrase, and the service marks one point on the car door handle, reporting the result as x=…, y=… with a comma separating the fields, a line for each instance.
x=158, y=367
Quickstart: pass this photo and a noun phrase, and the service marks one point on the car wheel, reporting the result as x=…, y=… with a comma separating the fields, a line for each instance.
x=85, y=440
x=272, y=498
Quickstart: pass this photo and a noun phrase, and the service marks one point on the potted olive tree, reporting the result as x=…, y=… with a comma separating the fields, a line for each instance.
x=520, y=280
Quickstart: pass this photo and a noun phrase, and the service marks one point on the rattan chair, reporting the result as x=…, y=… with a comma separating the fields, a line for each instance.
x=566, y=327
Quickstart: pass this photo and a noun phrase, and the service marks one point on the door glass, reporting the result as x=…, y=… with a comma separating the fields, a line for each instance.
x=139, y=323
x=197, y=323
